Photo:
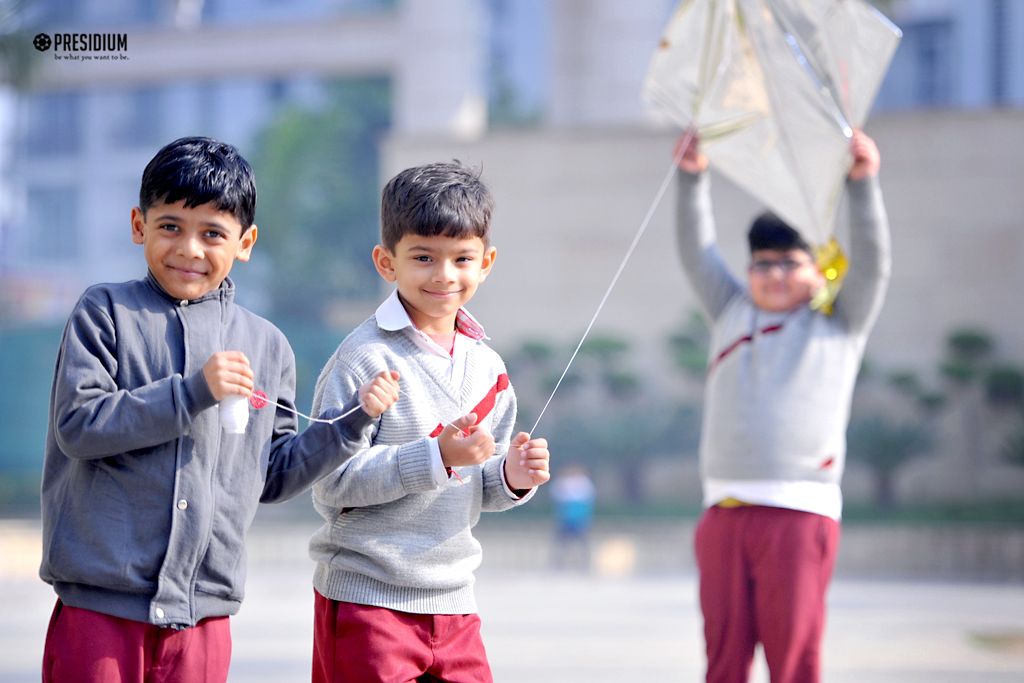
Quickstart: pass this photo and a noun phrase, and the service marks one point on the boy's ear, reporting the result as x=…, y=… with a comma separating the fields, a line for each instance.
x=490, y=254
x=138, y=223
x=246, y=244
x=384, y=262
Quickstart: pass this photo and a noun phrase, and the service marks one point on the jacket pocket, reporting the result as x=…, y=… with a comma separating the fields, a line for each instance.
x=89, y=543
x=222, y=571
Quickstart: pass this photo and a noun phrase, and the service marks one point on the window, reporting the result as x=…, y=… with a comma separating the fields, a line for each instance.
x=1000, y=52
x=133, y=117
x=51, y=232
x=931, y=49
x=52, y=123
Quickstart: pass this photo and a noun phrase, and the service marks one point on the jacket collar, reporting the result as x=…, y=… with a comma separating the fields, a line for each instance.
x=226, y=291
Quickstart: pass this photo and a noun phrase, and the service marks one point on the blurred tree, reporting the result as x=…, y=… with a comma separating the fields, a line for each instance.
x=531, y=367
x=536, y=351
x=16, y=50
x=1013, y=447
x=626, y=438
x=893, y=418
x=689, y=345
x=318, y=174
x=605, y=348
x=983, y=391
x=980, y=384
x=967, y=349
x=604, y=414
x=604, y=355
x=1004, y=386
x=908, y=384
x=885, y=446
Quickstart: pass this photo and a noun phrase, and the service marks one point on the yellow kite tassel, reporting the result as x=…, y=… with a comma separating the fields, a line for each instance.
x=833, y=264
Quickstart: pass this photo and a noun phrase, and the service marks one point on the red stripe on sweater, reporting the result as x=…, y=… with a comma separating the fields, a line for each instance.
x=484, y=407
x=739, y=342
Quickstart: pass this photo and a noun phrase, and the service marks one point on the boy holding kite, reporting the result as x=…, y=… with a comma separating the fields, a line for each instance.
x=777, y=401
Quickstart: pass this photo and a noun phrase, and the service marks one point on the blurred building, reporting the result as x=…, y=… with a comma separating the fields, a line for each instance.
x=543, y=95
x=514, y=85
x=83, y=130
x=956, y=54
x=72, y=146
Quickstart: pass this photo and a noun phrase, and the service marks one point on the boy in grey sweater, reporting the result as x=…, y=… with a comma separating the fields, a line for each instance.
x=777, y=400
x=396, y=555
x=145, y=499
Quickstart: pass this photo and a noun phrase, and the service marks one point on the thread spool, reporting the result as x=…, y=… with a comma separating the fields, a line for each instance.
x=234, y=414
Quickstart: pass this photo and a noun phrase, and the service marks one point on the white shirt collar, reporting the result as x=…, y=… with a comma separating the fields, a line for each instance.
x=391, y=314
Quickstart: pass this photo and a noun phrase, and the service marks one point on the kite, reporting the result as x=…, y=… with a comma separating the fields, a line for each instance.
x=774, y=89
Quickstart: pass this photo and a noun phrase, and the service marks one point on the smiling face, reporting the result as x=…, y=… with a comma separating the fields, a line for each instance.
x=436, y=276
x=782, y=279
x=190, y=250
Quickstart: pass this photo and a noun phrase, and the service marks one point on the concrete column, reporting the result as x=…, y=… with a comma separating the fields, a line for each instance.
x=439, y=81
x=600, y=53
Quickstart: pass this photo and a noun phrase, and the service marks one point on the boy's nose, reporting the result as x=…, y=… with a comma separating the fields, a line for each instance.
x=190, y=247
x=445, y=272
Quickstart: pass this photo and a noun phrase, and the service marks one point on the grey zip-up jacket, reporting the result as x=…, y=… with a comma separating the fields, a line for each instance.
x=145, y=500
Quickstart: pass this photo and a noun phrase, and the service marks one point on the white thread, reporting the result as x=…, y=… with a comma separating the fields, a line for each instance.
x=691, y=131
x=264, y=399
x=629, y=252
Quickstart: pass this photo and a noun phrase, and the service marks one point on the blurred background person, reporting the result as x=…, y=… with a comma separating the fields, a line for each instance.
x=573, y=494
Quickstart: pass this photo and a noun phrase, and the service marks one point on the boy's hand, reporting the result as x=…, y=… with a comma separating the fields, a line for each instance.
x=526, y=464
x=228, y=372
x=693, y=160
x=866, y=159
x=380, y=393
x=464, y=443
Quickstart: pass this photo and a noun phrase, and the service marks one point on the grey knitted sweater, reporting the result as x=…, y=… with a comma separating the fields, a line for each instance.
x=392, y=537
x=777, y=398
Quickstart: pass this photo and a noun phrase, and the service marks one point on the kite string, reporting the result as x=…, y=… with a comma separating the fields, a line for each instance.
x=332, y=420
x=691, y=131
x=264, y=400
x=684, y=143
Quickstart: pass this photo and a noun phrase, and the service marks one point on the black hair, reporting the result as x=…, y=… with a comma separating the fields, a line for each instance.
x=444, y=198
x=201, y=171
x=768, y=231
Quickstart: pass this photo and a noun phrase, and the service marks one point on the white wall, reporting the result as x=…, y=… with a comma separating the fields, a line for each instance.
x=568, y=205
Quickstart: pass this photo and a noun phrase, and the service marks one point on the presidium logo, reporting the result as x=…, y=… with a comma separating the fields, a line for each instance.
x=84, y=47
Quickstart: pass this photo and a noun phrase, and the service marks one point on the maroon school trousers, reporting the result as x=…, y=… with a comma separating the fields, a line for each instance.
x=365, y=644
x=83, y=646
x=764, y=573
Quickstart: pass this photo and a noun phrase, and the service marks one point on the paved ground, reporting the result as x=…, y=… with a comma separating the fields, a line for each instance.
x=610, y=625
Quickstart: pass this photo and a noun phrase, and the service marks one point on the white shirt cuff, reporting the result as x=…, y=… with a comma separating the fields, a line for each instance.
x=437, y=468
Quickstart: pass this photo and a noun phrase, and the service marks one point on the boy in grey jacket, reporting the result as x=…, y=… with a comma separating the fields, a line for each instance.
x=145, y=500
x=396, y=555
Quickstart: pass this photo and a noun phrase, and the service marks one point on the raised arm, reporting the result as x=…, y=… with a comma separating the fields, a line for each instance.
x=863, y=292
x=702, y=262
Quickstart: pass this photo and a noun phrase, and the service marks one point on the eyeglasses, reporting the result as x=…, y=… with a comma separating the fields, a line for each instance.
x=786, y=265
